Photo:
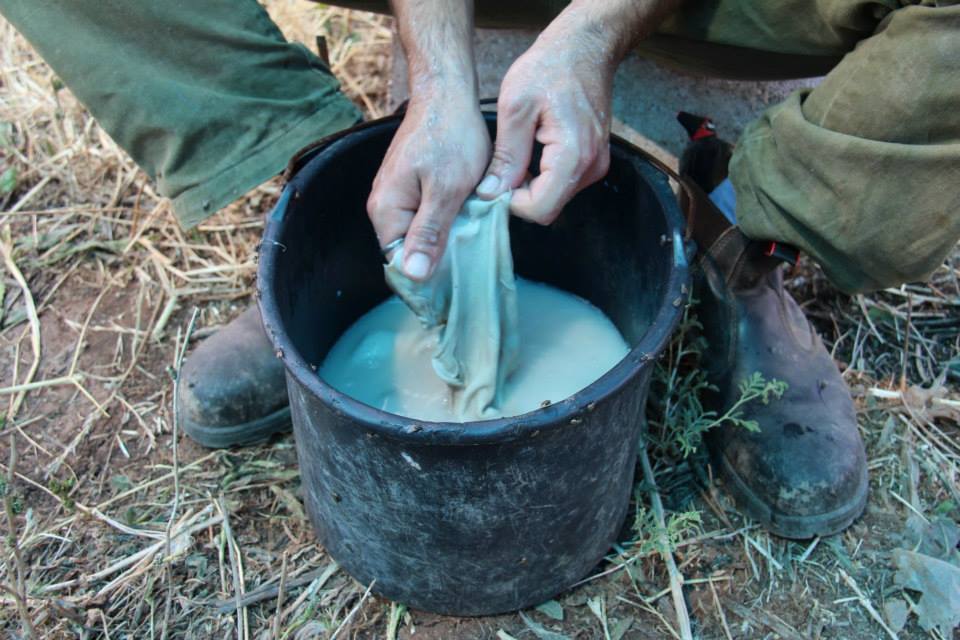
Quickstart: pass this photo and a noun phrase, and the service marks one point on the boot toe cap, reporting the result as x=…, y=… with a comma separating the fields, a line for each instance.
x=801, y=478
x=232, y=388
x=216, y=398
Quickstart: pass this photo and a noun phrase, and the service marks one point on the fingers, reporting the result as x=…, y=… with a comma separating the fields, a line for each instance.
x=390, y=212
x=424, y=231
x=516, y=127
x=427, y=236
x=565, y=169
x=434, y=161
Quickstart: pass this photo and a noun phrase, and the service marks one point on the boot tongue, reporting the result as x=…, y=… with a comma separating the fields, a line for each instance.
x=472, y=297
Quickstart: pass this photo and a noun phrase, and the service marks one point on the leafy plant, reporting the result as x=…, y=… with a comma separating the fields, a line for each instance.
x=679, y=527
x=62, y=489
x=8, y=180
x=695, y=421
x=9, y=493
x=679, y=382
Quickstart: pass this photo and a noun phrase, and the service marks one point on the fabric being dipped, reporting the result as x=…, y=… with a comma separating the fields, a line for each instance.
x=472, y=298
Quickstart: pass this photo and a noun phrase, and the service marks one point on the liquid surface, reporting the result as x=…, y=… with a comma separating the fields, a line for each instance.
x=384, y=359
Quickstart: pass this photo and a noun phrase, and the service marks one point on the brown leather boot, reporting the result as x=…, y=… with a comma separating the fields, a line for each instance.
x=233, y=389
x=804, y=472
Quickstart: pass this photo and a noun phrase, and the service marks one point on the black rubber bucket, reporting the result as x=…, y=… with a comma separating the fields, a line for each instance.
x=482, y=517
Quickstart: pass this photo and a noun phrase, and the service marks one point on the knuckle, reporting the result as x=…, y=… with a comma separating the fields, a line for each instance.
x=514, y=103
x=509, y=104
x=374, y=205
x=585, y=158
x=415, y=164
x=535, y=213
x=546, y=218
x=603, y=163
x=502, y=157
x=427, y=234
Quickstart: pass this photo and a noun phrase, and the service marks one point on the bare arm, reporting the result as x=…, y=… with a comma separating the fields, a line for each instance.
x=437, y=39
x=442, y=146
x=617, y=25
x=560, y=92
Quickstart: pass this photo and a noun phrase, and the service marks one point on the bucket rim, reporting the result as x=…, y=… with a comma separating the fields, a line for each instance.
x=489, y=431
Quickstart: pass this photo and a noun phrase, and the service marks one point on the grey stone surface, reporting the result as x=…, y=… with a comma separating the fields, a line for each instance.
x=646, y=95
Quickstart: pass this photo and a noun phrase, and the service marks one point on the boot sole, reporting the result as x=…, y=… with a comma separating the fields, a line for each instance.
x=222, y=437
x=784, y=525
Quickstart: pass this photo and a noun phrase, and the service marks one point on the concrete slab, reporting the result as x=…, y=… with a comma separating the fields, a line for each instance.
x=646, y=95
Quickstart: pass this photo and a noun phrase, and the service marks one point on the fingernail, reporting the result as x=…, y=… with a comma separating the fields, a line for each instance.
x=489, y=185
x=417, y=265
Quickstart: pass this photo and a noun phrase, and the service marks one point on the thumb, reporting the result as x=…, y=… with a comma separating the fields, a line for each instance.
x=516, y=127
x=426, y=238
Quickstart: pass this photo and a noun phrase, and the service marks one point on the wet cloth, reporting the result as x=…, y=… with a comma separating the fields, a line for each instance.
x=472, y=297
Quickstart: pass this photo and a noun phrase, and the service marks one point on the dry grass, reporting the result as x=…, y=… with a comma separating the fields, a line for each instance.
x=116, y=529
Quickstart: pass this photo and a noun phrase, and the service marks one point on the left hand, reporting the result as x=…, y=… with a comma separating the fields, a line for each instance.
x=559, y=92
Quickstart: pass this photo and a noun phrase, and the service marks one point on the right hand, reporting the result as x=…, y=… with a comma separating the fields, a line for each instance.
x=434, y=162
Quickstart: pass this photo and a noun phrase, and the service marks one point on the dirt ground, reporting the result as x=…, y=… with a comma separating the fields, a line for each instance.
x=113, y=528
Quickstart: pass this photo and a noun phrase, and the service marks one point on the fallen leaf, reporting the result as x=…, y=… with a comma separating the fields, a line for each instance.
x=620, y=628
x=938, y=581
x=540, y=631
x=937, y=538
x=599, y=609
x=596, y=606
x=896, y=612
x=551, y=609
x=290, y=501
x=932, y=402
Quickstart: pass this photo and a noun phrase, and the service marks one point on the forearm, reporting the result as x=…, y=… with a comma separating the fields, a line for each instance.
x=611, y=28
x=437, y=39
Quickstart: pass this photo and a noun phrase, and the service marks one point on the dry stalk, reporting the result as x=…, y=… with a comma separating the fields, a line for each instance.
x=19, y=592
x=353, y=611
x=866, y=604
x=280, y=596
x=723, y=616
x=175, y=375
x=6, y=248
x=236, y=566
x=676, y=578
x=143, y=559
x=645, y=606
x=40, y=384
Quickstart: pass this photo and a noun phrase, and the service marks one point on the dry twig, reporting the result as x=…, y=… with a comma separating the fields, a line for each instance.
x=676, y=578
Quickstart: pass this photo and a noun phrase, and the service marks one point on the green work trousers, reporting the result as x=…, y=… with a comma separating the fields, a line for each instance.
x=862, y=172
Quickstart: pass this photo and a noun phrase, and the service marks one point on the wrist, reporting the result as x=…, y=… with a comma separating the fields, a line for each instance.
x=458, y=86
x=610, y=29
x=437, y=39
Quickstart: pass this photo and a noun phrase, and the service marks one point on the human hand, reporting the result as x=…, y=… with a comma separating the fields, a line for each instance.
x=559, y=93
x=440, y=150
x=564, y=103
x=434, y=162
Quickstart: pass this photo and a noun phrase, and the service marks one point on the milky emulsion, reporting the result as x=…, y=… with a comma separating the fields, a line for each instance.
x=472, y=342
x=385, y=359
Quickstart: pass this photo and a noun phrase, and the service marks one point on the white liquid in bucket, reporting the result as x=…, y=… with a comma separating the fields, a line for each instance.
x=384, y=359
